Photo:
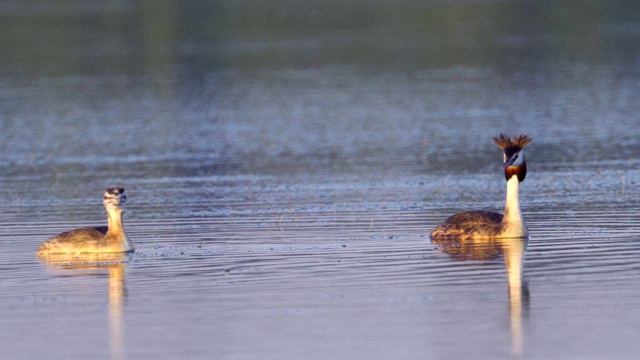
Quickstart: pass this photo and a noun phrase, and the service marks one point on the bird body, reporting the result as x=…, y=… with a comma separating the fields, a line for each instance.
x=102, y=239
x=486, y=224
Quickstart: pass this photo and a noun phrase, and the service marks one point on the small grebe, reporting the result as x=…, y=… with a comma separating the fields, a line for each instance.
x=103, y=239
x=485, y=224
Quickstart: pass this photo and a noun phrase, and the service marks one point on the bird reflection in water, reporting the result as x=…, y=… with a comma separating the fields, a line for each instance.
x=99, y=264
x=512, y=249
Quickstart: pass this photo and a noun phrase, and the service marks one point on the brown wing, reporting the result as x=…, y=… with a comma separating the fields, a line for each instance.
x=88, y=232
x=68, y=241
x=470, y=223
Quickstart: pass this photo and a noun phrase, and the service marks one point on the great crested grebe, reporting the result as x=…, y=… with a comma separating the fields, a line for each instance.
x=486, y=224
x=103, y=239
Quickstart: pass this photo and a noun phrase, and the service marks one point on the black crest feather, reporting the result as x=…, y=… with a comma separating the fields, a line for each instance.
x=115, y=190
x=510, y=146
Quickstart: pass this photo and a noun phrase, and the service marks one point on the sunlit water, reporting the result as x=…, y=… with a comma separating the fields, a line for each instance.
x=282, y=187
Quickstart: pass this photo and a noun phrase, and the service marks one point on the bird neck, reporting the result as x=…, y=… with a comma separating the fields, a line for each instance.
x=115, y=222
x=513, y=223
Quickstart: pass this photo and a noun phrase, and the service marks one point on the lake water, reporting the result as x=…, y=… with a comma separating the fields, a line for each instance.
x=285, y=163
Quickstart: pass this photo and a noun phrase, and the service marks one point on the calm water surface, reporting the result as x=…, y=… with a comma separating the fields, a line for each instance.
x=284, y=166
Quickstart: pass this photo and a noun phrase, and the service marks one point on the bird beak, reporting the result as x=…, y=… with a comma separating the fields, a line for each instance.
x=507, y=163
x=515, y=160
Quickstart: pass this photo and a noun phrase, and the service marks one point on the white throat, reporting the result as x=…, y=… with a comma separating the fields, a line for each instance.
x=513, y=223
